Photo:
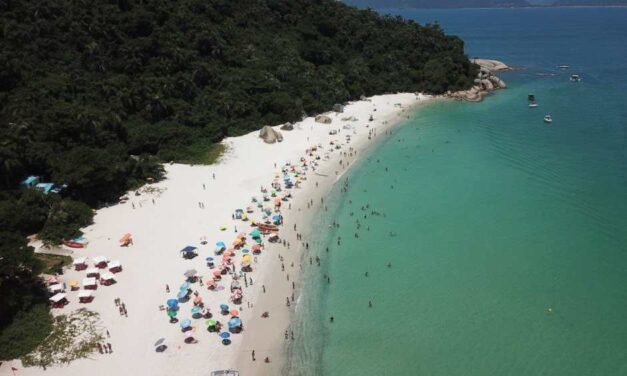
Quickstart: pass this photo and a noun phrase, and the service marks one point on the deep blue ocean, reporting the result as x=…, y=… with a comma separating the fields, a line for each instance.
x=506, y=236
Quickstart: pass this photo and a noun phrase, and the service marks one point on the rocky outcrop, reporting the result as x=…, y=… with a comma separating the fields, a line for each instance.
x=485, y=82
x=269, y=135
x=287, y=127
x=323, y=119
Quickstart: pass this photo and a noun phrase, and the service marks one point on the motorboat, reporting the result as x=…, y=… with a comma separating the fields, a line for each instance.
x=575, y=78
x=563, y=66
x=548, y=119
x=533, y=105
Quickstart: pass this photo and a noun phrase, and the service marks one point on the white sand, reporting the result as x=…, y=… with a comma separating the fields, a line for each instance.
x=175, y=220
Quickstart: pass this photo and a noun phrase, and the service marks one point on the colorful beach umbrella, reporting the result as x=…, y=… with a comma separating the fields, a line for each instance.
x=234, y=312
x=196, y=310
x=182, y=294
x=186, y=323
x=184, y=286
x=255, y=233
x=220, y=245
x=235, y=322
x=211, y=322
x=225, y=335
x=172, y=314
x=224, y=307
x=172, y=303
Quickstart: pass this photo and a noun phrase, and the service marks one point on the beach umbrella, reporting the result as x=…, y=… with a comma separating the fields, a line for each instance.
x=184, y=286
x=211, y=322
x=211, y=282
x=190, y=273
x=73, y=283
x=220, y=245
x=159, y=342
x=247, y=257
x=172, y=303
x=172, y=314
x=256, y=248
x=255, y=233
x=197, y=300
x=225, y=335
x=245, y=250
x=241, y=235
x=209, y=259
x=186, y=323
x=182, y=294
x=189, y=334
x=234, y=312
x=196, y=310
x=235, y=322
x=217, y=273
x=224, y=307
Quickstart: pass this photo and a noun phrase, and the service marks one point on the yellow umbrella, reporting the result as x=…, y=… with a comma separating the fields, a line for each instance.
x=73, y=283
x=246, y=257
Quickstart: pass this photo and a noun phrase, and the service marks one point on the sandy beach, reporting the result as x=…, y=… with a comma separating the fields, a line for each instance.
x=192, y=205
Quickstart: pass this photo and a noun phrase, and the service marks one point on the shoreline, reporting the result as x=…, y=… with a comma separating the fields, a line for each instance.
x=167, y=216
x=270, y=333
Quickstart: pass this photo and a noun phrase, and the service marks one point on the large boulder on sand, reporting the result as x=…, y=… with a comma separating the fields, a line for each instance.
x=287, y=127
x=323, y=119
x=269, y=135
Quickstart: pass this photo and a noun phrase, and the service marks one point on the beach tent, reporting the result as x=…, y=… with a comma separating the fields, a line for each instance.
x=58, y=300
x=85, y=296
x=93, y=272
x=107, y=279
x=89, y=283
x=115, y=266
x=100, y=261
x=80, y=263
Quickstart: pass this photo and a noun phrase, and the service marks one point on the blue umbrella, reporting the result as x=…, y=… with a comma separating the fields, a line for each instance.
x=209, y=259
x=172, y=303
x=225, y=335
x=196, y=310
x=220, y=245
x=224, y=307
x=276, y=217
x=235, y=322
x=186, y=323
x=184, y=286
x=182, y=294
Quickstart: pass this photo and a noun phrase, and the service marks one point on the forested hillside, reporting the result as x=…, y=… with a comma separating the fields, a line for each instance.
x=95, y=93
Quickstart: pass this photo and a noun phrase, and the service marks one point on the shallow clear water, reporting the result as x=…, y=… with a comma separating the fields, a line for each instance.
x=493, y=219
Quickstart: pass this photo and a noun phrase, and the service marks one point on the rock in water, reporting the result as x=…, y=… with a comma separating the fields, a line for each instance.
x=269, y=135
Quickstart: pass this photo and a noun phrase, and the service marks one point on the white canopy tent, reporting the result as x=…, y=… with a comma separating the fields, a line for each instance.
x=57, y=298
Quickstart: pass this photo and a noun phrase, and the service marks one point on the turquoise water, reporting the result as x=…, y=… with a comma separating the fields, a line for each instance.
x=506, y=236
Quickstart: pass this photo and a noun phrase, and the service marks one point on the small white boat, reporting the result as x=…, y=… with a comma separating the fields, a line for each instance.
x=548, y=119
x=563, y=66
x=533, y=105
x=575, y=78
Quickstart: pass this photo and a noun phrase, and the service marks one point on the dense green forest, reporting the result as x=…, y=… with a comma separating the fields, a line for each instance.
x=96, y=93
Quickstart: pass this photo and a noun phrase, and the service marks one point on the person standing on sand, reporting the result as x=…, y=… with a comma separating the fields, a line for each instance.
x=253, y=353
x=167, y=288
